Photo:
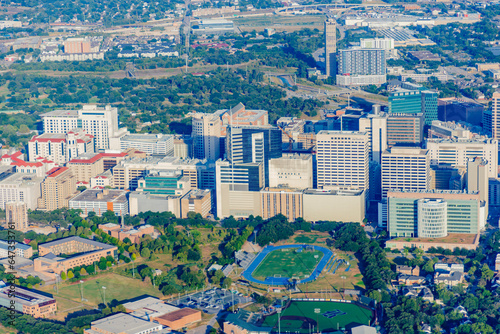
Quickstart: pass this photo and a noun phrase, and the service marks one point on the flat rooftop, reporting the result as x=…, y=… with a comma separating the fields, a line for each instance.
x=5, y=245
x=25, y=297
x=149, y=306
x=179, y=314
x=147, y=138
x=453, y=238
x=61, y=113
x=333, y=192
x=19, y=178
x=108, y=195
x=124, y=324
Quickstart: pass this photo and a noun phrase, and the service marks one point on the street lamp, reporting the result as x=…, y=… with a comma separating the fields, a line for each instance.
x=278, y=310
x=317, y=311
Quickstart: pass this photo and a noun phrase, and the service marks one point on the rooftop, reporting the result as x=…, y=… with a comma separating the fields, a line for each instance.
x=5, y=245
x=76, y=239
x=19, y=179
x=98, y=195
x=153, y=307
x=144, y=137
x=24, y=296
x=333, y=192
x=124, y=324
x=452, y=238
x=178, y=315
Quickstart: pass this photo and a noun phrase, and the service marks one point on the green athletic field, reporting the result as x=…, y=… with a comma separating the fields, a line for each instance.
x=300, y=315
x=288, y=263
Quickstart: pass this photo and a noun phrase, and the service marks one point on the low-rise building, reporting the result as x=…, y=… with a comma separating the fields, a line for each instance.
x=448, y=274
x=179, y=319
x=497, y=263
x=122, y=323
x=100, y=201
x=157, y=144
x=27, y=301
x=132, y=233
x=20, y=249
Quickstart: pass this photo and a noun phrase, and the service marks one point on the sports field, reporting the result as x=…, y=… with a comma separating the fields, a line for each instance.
x=288, y=263
x=300, y=316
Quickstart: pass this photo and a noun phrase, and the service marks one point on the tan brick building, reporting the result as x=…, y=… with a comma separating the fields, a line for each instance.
x=287, y=202
x=86, y=166
x=76, y=45
x=179, y=319
x=17, y=214
x=57, y=188
x=198, y=201
x=28, y=302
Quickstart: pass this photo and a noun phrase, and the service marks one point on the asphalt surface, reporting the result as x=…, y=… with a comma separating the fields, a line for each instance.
x=212, y=301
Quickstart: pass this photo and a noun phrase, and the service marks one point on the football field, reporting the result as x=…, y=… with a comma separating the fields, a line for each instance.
x=301, y=316
x=288, y=263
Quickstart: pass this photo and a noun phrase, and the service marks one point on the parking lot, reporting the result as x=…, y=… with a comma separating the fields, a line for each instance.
x=212, y=301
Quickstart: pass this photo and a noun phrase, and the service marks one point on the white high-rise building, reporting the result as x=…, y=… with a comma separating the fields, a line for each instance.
x=376, y=127
x=343, y=159
x=405, y=168
x=60, y=148
x=456, y=152
x=206, y=136
x=102, y=123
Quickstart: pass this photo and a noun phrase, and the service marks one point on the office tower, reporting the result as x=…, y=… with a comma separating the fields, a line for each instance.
x=206, y=136
x=405, y=101
x=487, y=122
x=237, y=188
x=77, y=45
x=456, y=152
x=429, y=105
x=376, y=127
x=477, y=179
x=343, y=159
x=59, y=147
x=291, y=171
x=452, y=109
x=430, y=212
x=406, y=168
x=16, y=214
x=57, y=188
x=330, y=46
x=406, y=129
x=102, y=123
x=495, y=116
x=245, y=144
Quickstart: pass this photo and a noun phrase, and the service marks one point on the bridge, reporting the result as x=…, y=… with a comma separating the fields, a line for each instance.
x=327, y=6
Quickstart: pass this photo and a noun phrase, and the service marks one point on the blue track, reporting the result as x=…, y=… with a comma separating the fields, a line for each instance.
x=247, y=274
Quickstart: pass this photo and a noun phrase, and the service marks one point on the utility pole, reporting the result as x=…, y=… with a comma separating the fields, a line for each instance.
x=81, y=289
x=279, y=319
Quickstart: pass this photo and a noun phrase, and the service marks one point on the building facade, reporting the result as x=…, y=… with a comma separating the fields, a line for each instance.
x=102, y=123
x=57, y=188
x=59, y=147
x=291, y=171
x=330, y=46
x=206, y=136
x=406, y=129
x=156, y=144
x=16, y=214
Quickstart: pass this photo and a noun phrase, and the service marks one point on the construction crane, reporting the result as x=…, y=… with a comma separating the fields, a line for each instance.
x=290, y=139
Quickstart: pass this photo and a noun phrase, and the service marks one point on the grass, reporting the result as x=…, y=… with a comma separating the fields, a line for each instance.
x=308, y=239
x=332, y=316
x=288, y=263
x=117, y=287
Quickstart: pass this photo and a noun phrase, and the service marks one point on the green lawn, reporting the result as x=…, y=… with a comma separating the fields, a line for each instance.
x=308, y=239
x=332, y=316
x=117, y=287
x=288, y=263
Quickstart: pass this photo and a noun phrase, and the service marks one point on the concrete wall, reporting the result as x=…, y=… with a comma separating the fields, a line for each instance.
x=334, y=207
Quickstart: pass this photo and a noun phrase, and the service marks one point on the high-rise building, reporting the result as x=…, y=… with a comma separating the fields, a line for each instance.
x=429, y=105
x=17, y=214
x=477, y=179
x=291, y=171
x=19, y=187
x=57, y=188
x=330, y=46
x=428, y=213
x=406, y=168
x=206, y=136
x=456, y=152
x=102, y=123
x=376, y=127
x=59, y=147
x=452, y=109
x=343, y=159
x=257, y=144
x=406, y=129
x=362, y=62
x=407, y=101
x=495, y=116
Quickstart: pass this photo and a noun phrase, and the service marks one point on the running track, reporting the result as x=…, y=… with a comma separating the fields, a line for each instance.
x=247, y=274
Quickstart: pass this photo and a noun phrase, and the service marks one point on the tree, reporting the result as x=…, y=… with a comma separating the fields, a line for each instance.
x=83, y=271
x=63, y=275
x=70, y=274
x=145, y=252
x=226, y=283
